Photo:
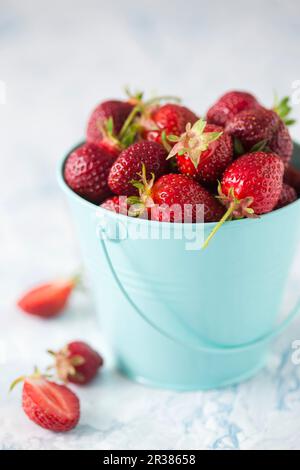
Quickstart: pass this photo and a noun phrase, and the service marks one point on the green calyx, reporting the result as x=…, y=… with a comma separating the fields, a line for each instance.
x=140, y=114
x=193, y=141
x=238, y=147
x=36, y=375
x=135, y=97
x=122, y=140
x=236, y=209
x=283, y=109
x=138, y=204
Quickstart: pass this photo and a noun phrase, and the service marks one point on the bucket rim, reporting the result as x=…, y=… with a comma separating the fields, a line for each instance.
x=122, y=217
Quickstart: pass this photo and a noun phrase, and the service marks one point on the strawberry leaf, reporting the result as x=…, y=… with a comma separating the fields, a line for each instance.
x=238, y=147
x=283, y=109
x=109, y=125
x=133, y=200
x=173, y=138
x=259, y=146
x=199, y=126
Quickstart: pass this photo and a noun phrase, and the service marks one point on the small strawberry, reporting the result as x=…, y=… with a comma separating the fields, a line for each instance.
x=128, y=165
x=263, y=129
x=48, y=300
x=86, y=171
x=174, y=198
x=229, y=105
x=116, y=204
x=250, y=186
x=292, y=178
x=281, y=143
x=203, y=151
x=287, y=196
x=51, y=406
x=77, y=362
x=253, y=127
x=165, y=120
x=106, y=122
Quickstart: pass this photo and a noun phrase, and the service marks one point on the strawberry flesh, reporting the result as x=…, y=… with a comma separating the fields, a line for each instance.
x=51, y=406
x=47, y=300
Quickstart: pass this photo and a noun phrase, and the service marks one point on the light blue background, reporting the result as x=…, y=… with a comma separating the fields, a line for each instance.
x=58, y=59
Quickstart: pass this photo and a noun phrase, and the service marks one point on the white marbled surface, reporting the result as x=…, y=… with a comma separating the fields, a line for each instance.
x=58, y=59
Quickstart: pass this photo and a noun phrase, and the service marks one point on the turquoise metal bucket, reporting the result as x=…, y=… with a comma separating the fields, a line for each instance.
x=188, y=318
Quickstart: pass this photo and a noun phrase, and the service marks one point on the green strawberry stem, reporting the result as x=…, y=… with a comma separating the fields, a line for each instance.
x=129, y=120
x=140, y=107
x=36, y=375
x=226, y=216
x=283, y=109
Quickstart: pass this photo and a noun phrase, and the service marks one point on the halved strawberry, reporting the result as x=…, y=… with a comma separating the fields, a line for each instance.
x=51, y=406
x=48, y=300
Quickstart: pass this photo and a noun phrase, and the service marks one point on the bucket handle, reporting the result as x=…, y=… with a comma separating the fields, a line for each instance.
x=206, y=346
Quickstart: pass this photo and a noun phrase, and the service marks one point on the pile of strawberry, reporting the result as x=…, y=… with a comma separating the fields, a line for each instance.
x=235, y=162
x=51, y=405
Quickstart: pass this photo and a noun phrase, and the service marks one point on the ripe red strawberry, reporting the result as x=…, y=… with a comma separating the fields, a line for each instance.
x=51, y=406
x=106, y=122
x=281, y=143
x=182, y=192
x=292, y=178
x=77, y=362
x=203, y=151
x=116, y=204
x=86, y=171
x=253, y=126
x=250, y=186
x=128, y=165
x=167, y=119
x=287, y=196
x=263, y=128
x=48, y=300
x=229, y=105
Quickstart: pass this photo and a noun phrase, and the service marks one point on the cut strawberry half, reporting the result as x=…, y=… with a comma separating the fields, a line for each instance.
x=51, y=406
x=48, y=300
